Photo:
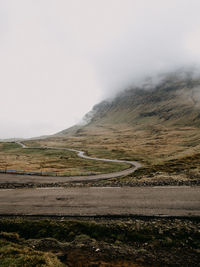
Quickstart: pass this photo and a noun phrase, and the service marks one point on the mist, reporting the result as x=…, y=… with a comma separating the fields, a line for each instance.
x=59, y=58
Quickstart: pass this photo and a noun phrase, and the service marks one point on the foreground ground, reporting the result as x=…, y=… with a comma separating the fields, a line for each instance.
x=99, y=242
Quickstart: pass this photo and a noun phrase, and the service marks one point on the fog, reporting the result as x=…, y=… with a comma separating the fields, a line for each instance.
x=60, y=57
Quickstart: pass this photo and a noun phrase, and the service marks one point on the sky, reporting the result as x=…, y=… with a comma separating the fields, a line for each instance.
x=58, y=58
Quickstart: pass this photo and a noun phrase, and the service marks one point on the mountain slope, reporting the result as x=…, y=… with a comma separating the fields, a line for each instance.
x=173, y=102
x=150, y=123
x=157, y=125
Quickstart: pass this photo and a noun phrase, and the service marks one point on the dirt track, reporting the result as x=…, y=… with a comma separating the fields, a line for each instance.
x=170, y=201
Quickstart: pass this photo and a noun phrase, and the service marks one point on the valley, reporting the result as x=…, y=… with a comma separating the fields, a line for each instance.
x=135, y=200
x=14, y=157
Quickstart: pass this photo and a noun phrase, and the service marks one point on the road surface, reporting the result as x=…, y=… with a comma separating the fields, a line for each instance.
x=95, y=201
x=148, y=201
x=9, y=178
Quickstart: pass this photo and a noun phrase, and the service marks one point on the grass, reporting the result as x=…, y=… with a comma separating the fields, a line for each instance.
x=166, y=149
x=159, y=128
x=34, y=242
x=165, y=152
x=185, y=170
x=189, y=165
x=14, y=157
x=13, y=252
x=153, y=144
x=170, y=150
x=110, y=231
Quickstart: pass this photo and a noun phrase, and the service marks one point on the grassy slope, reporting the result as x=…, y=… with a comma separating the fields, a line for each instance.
x=159, y=127
x=157, y=124
x=156, y=127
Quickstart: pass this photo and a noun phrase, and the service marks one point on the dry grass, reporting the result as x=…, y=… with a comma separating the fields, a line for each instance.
x=166, y=153
x=16, y=255
x=154, y=145
x=13, y=157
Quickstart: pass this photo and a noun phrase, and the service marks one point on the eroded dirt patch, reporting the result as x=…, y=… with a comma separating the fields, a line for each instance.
x=78, y=257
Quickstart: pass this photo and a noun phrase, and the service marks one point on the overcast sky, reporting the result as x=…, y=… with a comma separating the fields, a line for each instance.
x=60, y=57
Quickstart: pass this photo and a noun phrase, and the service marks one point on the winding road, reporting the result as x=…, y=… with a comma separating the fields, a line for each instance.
x=59, y=178
x=175, y=201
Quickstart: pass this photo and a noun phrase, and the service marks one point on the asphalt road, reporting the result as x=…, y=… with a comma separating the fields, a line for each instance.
x=164, y=201
x=21, y=179
x=38, y=179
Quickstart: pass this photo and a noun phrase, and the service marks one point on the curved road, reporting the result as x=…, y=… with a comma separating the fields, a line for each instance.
x=50, y=179
x=96, y=201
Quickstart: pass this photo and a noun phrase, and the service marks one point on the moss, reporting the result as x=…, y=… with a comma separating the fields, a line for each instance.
x=9, y=236
x=68, y=231
x=15, y=255
x=150, y=237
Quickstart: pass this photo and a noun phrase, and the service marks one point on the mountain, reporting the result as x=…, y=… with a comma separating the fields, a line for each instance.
x=151, y=122
x=173, y=102
x=170, y=103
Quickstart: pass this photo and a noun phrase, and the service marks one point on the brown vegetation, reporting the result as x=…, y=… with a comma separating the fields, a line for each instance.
x=104, y=242
x=13, y=157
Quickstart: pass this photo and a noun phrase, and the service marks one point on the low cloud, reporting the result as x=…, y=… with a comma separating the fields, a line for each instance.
x=59, y=58
x=162, y=37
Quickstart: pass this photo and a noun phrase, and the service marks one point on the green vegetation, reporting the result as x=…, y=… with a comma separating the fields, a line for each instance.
x=180, y=171
x=9, y=146
x=36, y=242
x=14, y=157
x=14, y=254
x=189, y=165
x=155, y=125
x=132, y=231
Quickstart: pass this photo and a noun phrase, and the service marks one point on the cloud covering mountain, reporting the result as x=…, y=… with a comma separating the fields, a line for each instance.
x=58, y=58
